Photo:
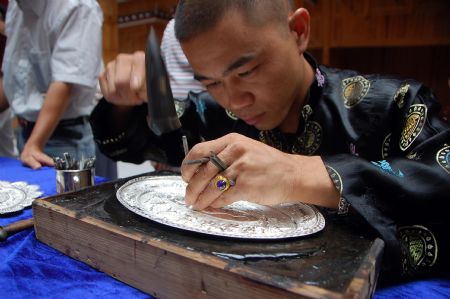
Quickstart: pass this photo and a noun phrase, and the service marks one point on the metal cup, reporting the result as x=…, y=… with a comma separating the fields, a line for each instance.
x=72, y=180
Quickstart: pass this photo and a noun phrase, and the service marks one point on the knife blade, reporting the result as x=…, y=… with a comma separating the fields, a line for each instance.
x=162, y=116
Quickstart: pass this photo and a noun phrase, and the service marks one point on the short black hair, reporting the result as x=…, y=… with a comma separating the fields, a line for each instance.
x=193, y=17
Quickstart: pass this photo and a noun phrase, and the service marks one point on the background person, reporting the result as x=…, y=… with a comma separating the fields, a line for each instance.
x=51, y=63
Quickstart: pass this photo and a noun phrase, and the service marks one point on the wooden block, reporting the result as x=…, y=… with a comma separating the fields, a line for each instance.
x=90, y=225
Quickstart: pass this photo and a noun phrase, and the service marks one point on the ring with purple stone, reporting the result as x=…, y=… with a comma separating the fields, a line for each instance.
x=222, y=183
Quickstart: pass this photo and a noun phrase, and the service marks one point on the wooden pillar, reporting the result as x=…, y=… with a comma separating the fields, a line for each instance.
x=110, y=36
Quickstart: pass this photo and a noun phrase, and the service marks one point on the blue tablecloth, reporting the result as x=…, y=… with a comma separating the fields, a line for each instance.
x=31, y=269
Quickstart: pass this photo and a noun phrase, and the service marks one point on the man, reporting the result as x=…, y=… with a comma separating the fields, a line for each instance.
x=51, y=63
x=8, y=146
x=373, y=145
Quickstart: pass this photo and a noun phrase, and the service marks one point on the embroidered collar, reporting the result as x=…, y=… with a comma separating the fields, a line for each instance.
x=297, y=144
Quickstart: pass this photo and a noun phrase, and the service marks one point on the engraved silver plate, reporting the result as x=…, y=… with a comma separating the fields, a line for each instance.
x=161, y=199
x=17, y=196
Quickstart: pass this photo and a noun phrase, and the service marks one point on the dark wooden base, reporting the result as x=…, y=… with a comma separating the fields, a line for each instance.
x=92, y=226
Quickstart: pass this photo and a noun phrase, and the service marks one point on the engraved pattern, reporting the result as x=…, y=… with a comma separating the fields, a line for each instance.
x=16, y=196
x=161, y=199
x=415, y=121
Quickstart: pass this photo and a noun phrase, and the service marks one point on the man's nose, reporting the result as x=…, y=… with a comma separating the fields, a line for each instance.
x=238, y=96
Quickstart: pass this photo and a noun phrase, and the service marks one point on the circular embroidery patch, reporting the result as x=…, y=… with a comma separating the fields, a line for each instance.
x=421, y=247
x=310, y=140
x=231, y=114
x=414, y=123
x=399, y=96
x=443, y=158
x=354, y=90
x=386, y=147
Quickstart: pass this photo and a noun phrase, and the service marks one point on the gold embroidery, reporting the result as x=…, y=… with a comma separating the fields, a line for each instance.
x=443, y=158
x=306, y=144
x=354, y=90
x=335, y=177
x=310, y=140
x=399, y=96
x=231, y=114
x=180, y=107
x=421, y=248
x=385, y=148
x=414, y=124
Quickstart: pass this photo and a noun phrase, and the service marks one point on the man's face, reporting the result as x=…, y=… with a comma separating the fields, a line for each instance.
x=255, y=72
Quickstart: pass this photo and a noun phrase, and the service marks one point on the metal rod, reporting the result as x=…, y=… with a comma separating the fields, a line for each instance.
x=185, y=145
x=197, y=161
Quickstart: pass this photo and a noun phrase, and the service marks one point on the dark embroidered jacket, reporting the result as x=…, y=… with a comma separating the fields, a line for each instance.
x=381, y=138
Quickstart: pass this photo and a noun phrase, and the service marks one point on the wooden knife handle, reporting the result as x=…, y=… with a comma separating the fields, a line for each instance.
x=15, y=227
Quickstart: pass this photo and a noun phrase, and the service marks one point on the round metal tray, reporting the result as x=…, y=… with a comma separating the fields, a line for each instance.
x=161, y=199
x=16, y=196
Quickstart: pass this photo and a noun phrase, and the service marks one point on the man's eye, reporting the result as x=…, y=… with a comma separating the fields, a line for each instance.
x=247, y=73
x=213, y=84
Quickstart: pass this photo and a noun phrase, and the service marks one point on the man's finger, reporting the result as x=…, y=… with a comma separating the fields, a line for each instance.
x=31, y=162
x=43, y=159
x=109, y=77
x=202, y=150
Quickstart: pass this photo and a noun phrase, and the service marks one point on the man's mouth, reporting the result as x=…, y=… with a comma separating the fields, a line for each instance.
x=252, y=120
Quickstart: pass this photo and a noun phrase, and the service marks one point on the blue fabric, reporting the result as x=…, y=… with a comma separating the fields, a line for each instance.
x=432, y=289
x=31, y=269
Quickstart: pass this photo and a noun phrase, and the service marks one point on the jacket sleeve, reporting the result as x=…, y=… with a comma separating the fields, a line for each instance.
x=404, y=195
x=199, y=114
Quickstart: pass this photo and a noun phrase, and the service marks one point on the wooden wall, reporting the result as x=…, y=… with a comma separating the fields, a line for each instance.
x=408, y=38
x=134, y=31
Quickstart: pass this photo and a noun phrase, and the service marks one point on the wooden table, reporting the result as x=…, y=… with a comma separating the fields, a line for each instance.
x=92, y=226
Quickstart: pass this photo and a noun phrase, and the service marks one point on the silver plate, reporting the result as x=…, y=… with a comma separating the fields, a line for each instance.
x=17, y=196
x=161, y=199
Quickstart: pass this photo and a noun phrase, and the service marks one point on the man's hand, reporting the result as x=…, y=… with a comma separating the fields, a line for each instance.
x=34, y=157
x=55, y=103
x=123, y=82
x=262, y=175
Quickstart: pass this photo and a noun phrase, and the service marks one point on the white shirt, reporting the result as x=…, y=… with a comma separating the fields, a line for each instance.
x=47, y=41
x=8, y=146
x=180, y=73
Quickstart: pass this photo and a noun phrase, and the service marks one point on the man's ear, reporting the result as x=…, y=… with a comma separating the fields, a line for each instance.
x=299, y=23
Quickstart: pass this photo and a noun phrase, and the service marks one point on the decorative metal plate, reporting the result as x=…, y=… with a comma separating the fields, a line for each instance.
x=161, y=199
x=17, y=196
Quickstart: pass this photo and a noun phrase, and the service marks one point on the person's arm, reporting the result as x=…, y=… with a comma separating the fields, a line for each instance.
x=404, y=196
x=262, y=175
x=55, y=103
x=4, y=104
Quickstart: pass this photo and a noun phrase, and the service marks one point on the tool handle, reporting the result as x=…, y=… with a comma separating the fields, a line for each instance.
x=15, y=227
